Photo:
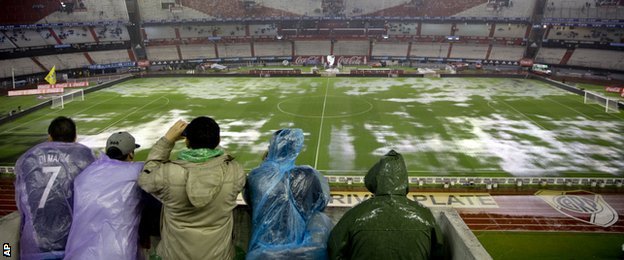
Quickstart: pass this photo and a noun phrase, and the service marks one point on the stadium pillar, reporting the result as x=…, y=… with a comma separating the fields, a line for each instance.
x=492, y=30
x=216, y=50
x=418, y=29
x=253, y=49
x=94, y=35
x=409, y=49
x=489, y=50
x=88, y=57
x=450, y=49
x=39, y=64
x=53, y=33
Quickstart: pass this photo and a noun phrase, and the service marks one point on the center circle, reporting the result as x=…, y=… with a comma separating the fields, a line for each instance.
x=335, y=106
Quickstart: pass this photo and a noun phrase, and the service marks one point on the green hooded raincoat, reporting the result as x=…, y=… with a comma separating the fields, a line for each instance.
x=388, y=225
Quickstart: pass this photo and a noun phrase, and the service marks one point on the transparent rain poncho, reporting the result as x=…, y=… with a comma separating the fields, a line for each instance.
x=287, y=203
x=44, y=196
x=107, y=211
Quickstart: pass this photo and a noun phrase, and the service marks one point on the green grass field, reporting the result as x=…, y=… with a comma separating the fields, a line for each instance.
x=552, y=245
x=453, y=126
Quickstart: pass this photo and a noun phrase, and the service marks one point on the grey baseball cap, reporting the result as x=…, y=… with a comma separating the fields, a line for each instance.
x=123, y=141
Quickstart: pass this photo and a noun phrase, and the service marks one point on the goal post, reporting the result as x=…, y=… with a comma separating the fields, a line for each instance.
x=60, y=101
x=610, y=105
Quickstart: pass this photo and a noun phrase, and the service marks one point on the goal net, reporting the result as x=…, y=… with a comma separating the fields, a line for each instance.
x=610, y=105
x=60, y=101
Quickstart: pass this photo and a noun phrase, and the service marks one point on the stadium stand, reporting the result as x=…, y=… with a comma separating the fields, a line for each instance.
x=307, y=8
x=157, y=11
x=438, y=50
x=440, y=29
x=598, y=59
x=605, y=9
x=603, y=35
x=234, y=50
x=88, y=10
x=550, y=55
x=312, y=47
x=508, y=53
x=111, y=33
x=500, y=8
x=160, y=32
x=106, y=57
x=64, y=61
x=421, y=8
x=162, y=53
x=203, y=51
x=22, y=66
x=263, y=30
x=390, y=49
x=30, y=38
x=69, y=35
x=402, y=28
x=272, y=49
x=471, y=51
x=5, y=43
x=360, y=7
x=351, y=47
x=510, y=30
x=477, y=30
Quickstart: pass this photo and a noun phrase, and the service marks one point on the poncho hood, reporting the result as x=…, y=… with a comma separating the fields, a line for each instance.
x=388, y=176
x=284, y=147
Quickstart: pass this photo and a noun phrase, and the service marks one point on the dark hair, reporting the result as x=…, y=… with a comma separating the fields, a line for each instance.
x=62, y=129
x=203, y=132
x=115, y=153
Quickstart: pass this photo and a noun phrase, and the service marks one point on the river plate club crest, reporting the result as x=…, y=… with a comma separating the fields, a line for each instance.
x=581, y=205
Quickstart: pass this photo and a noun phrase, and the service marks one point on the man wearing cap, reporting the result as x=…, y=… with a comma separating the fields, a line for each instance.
x=198, y=191
x=107, y=205
x=44, y=178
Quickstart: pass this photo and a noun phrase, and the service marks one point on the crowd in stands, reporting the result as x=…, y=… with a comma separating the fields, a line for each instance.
x=62, y=190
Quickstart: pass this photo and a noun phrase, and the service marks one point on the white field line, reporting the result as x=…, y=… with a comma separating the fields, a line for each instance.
x=571, y=108
x=318, y=145
x=53, y=111
x=524, y=115
x=136, y=110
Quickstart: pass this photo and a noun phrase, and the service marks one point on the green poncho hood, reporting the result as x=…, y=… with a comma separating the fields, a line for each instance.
x=199, y=155
x=388, y=176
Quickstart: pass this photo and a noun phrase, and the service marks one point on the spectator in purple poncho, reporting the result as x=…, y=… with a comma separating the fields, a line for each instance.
x=107, y=193
x=44, y=190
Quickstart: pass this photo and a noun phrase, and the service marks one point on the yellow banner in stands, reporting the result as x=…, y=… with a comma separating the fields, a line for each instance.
x=51, y=77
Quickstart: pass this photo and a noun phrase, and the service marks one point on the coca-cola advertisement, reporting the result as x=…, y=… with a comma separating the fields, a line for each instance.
x=78, y=84
x=613, y=89
x=308, y=60
x=339, y=60
x=351, y=60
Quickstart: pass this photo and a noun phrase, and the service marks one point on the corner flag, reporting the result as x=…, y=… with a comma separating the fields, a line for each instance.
x=51, y=77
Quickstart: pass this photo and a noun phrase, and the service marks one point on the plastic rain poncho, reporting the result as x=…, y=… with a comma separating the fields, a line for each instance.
x=44, y=196
x=388, y=225
x=107, y=211
x=286, y=202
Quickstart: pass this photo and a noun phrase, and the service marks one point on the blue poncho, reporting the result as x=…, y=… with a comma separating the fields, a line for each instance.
x=107, y=211
x=286, y=202
x=44, y=196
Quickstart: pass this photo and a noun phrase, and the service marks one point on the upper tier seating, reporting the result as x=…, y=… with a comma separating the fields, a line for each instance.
x=351, y=47
x=390, y=49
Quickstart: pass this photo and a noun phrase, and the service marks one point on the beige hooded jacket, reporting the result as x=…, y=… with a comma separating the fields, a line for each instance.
x=198, y=201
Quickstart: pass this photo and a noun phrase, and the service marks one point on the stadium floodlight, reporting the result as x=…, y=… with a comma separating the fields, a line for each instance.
x=385, y=36
x=279, y=37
